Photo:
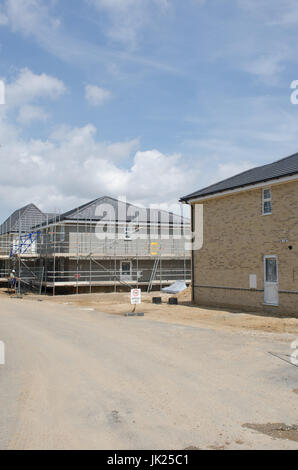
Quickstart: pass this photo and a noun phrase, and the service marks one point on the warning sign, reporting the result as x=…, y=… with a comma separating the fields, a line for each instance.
x=136, y=296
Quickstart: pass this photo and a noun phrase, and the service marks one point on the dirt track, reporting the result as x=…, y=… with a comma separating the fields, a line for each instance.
x=184, y=314
x=81, y=379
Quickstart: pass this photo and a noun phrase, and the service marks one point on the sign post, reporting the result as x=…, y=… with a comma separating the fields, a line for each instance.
x=135, y=299
x=136, y=296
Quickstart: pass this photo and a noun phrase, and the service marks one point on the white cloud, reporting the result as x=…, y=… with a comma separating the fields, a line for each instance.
x=38, y=19
x=3, y=17
x=273, y=12
x=267, y=67
x=118, y=151
x=29, y=114
x=96, y=95
x=258, y=131
x=71, y=167
x=29, y=86
x=30, y=16
x=128, y=17
x=226, y=170
x=22, y=94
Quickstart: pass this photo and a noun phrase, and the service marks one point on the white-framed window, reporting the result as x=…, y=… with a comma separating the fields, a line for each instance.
x=126, y=270
x=267, y=202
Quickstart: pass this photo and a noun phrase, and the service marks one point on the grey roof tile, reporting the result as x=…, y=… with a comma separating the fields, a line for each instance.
x=112, y=209
x=285, y=167
x=22, y=220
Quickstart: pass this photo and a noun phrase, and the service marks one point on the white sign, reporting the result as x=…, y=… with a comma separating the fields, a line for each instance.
x=252, y=281
x=136, y=296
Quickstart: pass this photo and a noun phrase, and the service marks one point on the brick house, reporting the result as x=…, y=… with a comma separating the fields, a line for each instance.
x=249, y=257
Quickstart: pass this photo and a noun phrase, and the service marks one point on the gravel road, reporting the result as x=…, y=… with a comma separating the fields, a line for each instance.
x=77, y=379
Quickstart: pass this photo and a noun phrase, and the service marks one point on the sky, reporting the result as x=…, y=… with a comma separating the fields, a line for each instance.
x=147, y=99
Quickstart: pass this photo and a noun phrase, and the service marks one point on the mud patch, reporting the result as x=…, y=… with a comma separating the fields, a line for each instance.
x=116, y=417
x=239, y=442
x=275, y=430
x=296, y=391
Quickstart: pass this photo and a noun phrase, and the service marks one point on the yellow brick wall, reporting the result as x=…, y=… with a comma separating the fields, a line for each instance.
x=237, y=237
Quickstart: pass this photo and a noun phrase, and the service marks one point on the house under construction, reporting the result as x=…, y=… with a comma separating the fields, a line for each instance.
x=103, y=244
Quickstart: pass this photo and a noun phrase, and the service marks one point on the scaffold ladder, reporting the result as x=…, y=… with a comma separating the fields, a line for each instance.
x=153, y=274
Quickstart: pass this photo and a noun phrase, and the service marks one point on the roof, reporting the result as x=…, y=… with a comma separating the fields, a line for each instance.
x=116, y=210
x=285, y=167
x=22, y=220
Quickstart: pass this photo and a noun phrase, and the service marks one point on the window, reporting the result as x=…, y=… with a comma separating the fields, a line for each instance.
x=267, y=202
x=271, y=289
x=270, y=269
x=126, y=271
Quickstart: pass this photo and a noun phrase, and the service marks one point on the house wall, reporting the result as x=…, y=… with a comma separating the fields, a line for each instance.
x=82, y=239
x=104, y=270
x=236, y=238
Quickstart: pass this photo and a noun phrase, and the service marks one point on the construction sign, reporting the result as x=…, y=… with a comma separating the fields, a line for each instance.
x=136, y=296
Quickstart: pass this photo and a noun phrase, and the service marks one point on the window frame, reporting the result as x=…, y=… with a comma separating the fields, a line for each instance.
x=266, y=199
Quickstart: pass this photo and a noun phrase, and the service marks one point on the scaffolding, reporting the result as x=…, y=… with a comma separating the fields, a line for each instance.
x=24, y=244
x=68, y=254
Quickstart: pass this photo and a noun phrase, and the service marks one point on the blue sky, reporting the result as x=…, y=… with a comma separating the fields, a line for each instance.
x=151, y=99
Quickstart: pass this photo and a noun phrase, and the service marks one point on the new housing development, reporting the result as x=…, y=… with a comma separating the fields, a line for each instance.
x=248, y=259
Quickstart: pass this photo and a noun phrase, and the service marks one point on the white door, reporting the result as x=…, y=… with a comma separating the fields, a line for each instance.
x=271, y=280
x=126, y=271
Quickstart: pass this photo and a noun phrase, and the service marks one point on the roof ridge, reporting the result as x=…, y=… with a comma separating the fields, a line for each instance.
x=77, y=209
x=19, y=217
x=257, y=174
x=285, y=158
x=74, y=212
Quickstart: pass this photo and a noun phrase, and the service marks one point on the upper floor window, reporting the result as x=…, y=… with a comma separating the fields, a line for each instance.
x=267, y=202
